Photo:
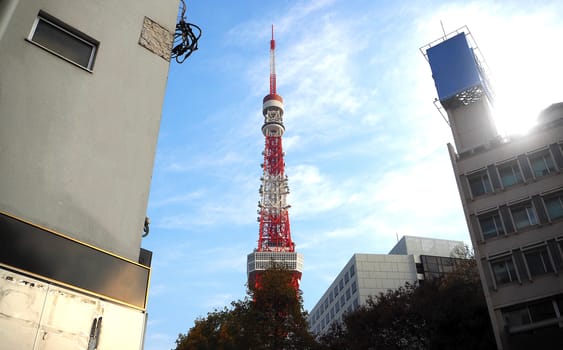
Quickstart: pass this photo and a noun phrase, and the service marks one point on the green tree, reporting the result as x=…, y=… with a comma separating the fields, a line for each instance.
x=278, y=312
x=442, y=313
x=270, y=317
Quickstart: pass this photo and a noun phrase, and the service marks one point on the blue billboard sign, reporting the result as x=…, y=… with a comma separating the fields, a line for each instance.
x=453, y=66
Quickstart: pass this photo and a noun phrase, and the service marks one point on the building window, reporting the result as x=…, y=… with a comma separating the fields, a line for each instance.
x=337, y=307
x=336, y=290
x=491, y=225
x=518, y=317
x=542, y=163
x=532, y=313
x=341, y=284
x=342, y=301
x=554, y=206
x=348, y=295
x=510, y=174
x=354, y=287
x=479, y=183
x=542, y=311
x=524, y=216
x=63, y=41
x=352, y=270
x=356, y=303
x=346, y=277
x=538, y=261
x=503, y=270
x=559, y=304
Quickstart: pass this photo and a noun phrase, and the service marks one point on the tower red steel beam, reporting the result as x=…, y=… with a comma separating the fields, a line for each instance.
x=274, y=236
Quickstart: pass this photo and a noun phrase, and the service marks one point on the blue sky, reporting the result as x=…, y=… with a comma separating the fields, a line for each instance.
x=365, y=147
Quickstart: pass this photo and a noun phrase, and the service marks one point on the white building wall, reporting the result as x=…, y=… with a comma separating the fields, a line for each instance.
x=373, y=274
x=39, y=315
x=76, y=155
x=77, y=147
x=425, y=246
x=368, y=275
x=379, y=273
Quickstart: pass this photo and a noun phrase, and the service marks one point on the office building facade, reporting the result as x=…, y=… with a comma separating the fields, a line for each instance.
x=511, y=188
x=367, y=275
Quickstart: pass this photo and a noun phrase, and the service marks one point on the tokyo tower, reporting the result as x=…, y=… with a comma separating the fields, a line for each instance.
x=274, y=239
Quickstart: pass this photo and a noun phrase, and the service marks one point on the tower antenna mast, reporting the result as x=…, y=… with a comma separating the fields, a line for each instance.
x=274, y=238
x=273, y=64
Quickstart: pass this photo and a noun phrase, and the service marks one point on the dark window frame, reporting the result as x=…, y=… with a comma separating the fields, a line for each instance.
x=538, y=255
x=558, y=198
x=530, y=212
x=482, y=182
x=499, y=228
x=68, y=31
x=515, y=172
x=545, y=157
x=510, y=269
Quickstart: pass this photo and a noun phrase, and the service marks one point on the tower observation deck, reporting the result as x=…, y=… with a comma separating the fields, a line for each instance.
x=275, y=246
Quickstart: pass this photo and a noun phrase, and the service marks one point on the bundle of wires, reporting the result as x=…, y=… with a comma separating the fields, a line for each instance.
x=185, y=37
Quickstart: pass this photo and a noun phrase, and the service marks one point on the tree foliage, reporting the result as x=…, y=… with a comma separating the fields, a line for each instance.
x=443, y=313
x=270, y=317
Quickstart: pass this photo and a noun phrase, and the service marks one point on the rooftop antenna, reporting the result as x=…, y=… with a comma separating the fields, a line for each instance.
x=443, y=30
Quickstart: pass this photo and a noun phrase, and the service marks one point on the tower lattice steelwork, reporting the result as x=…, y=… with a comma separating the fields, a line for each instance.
x=274, y=241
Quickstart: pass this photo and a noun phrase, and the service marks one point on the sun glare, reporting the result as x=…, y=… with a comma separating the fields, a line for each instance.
x=514, y=114
x=525, y=83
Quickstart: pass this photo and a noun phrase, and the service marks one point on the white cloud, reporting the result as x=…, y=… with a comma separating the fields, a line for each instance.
x=313, y=192
x=365, y=146
x=218, y=300
x=177, y=199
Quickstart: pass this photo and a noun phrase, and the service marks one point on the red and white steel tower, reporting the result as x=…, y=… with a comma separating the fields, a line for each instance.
x=274, y=240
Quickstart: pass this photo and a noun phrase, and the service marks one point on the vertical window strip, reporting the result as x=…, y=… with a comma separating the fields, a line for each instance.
x=554, y=207
x=542, y=163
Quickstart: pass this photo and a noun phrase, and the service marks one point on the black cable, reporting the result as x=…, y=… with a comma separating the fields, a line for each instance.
x=185, y=39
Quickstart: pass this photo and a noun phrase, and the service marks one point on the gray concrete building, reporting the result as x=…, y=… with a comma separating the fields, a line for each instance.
x=81, y=91
x=511, y=189
x=368, y=275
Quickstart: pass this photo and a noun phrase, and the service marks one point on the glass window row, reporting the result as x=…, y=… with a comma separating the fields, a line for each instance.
x=527, y=263
x=322, y=323
x=538, y=311
x=525, y=167
x=334, y=301
x=505, y=220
